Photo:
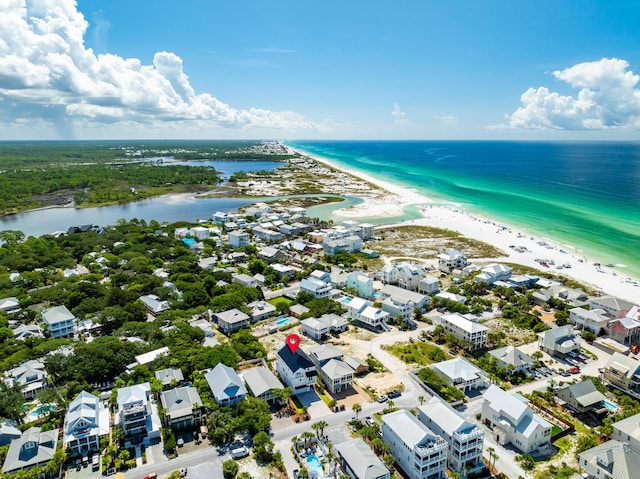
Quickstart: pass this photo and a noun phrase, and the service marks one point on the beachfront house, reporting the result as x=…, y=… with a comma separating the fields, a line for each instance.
x=226, y=386
x=512, y=359
x=451, y=259
x=594, y=320
x=615, y=308
x=86, y=423
x=583, y=397
x=511, y=420
x=464, y=438
x=474, y=334
x=296, y=369
x=622, y=371
x=461, y=373
x=419, y=452
x=494, y=272
x=559, y=341
x=59, y=322
x=359, y=462
x=625, y=330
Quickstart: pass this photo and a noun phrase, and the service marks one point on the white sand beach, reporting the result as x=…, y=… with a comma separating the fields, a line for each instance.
x=586, y=270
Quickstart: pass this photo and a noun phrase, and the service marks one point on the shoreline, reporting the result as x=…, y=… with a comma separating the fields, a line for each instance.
x=606, y=279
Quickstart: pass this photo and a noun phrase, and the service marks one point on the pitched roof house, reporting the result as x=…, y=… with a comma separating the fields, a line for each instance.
x=226, y=386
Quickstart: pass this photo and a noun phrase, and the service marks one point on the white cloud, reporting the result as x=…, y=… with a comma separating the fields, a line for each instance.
x=608, y=97
x=447, y=120
x=399, y=117
x=46, y=73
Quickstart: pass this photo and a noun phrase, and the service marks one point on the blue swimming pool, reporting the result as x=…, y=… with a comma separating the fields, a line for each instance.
x=346, y=300
x=283, y=321
x=609, y=405
x=314, y=464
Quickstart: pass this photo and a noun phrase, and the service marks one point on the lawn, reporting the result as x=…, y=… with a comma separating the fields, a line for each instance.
x=421, y=353
x=555, y=430
x=276, y=301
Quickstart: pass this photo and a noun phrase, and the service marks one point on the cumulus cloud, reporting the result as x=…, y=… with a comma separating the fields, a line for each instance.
x=45, y=67
x=399, y=117
x=608, y=97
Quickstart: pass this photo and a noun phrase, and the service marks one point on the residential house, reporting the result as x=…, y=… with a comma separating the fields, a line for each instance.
x=358, y=365
x=59, y=321
x=461, y=373
x=267, y=234
x=359, y=462
x=136, y=413
x=147, y=359
x=451, y=259
x=283, y=270
x=297, y=310
x=333, y=245
x=270, y=254
x=203, y=325
x=238, y=239
x=315, y=287
x=628, y=430
x=226, y=386
x=361, y=283
x=296, y=369
x=409, y=275
x=262, y=383
x=615, y=308
x=8, y=431
x=559, y=341
x=429, y=285
x=183, y=408
x=594, y=320
x=220, y=217
x=622, y=371
x=511, y=420
x=334, y=373
x=389, y=274
x=573, y=297
x=25, y=331
x=86, y=423
x=261, y=310
x=320, y=328
x=494, y=272
x=34, y=448
x=363, y=312
x=625, y=330
x=447, y=296
x=583, y=397
x=464, y=438
x=232, y=320
x=512, y=359
x=170, y=377
x=419, y=452
x=154, y=304
x=473, y=333
x=400, y=295
x=31, y=376
x=245, y=280
x=9, y=305
x=610, y=460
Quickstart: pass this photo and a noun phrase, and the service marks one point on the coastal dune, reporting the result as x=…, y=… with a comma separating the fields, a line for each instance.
x=528, y=246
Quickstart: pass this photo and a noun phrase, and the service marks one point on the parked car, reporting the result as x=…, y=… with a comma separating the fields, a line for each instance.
x=574, y=370
x=382, y=398
x=239, y=452
x=396, y=393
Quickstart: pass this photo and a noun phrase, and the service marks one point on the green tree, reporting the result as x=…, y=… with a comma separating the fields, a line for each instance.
x=262, y=447
x=230, y=469
x=11, y=401
x=356, y=408
x=318, y=427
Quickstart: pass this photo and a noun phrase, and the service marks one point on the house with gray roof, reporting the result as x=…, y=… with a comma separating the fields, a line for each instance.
x=34, y=448
x=595, y=320
x=511, y=420
x=59, y=321
x=225, y=384
x=615, y=308
x=583, y=397
x=8, y=431
x=494, y=272
x=262, y=383
x=9, y=305
x=86, y=423
x=137, y=414
x=451, y=259
x=154, y=304
x=183, y=406
x=320, y=328
x=429, y=285
x=628, y=430
x=419, y=452
x=261, y=310
x=559, y=341
x=25, y=331
x=297, y=310
x=461, y=373
x=512, y=359
x=31, y=376
x=465, y=439
x=572, y=296
x=336, y=375
x=611, y=460
x=232, y=320
x=463, y=328
x=359, y=462
x=622, y=371
x=170, y=376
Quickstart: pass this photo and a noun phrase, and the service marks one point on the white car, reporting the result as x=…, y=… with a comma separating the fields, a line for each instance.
x=382, y=398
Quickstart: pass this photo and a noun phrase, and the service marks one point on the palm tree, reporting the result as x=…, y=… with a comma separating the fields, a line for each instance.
x=295, y=440
x=306, y=437
x=318, y=427
x=390, y=404
x=356, y=408
x=421, y=399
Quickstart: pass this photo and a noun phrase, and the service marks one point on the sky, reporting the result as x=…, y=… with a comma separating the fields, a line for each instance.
x=336, y=69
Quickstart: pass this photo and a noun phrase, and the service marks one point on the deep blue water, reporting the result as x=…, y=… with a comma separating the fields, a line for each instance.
x=584, y=194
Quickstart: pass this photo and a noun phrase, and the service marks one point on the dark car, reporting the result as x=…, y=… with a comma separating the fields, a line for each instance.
x=396, y=393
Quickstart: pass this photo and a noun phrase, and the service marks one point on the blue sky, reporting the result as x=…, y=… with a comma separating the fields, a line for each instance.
x=332, y=69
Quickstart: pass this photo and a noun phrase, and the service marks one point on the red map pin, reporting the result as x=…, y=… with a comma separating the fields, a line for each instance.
x=293, y=341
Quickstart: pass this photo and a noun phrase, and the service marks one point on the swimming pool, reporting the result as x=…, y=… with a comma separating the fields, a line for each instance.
x=315, y=465
x=283, y=321
x=346, y=300
x=40, y=411
x=609, y=405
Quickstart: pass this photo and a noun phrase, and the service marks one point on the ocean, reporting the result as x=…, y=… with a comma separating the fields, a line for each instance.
x=585, y=196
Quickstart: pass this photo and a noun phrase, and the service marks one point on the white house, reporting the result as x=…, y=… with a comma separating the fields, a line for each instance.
x=363, y=311
x=319, y=328
x=359, y=462
x=494, y=272
x=461, y=373
x=296, y=369
x=232, y=320
x=136, y=414
x=86, y=423
x=429, y=285
x=451, y=259
x=465, y=439
x=31, y=376
x=513, y=359
x=419, y=452
x=154, y=304
x=409, y=275
x=238, y=239
x=316, y=287
x=511, y=420
x=594, y=320
x=226, y=386
x=463, y=328
x=559, y=341
x=262, y=383
x=60, y=322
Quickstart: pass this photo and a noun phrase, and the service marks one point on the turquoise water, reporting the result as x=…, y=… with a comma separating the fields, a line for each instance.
x=346, y=300
x=283, y=321
x=40, y=411
x=609, y=405
x=585, y=195
x=314, y=464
